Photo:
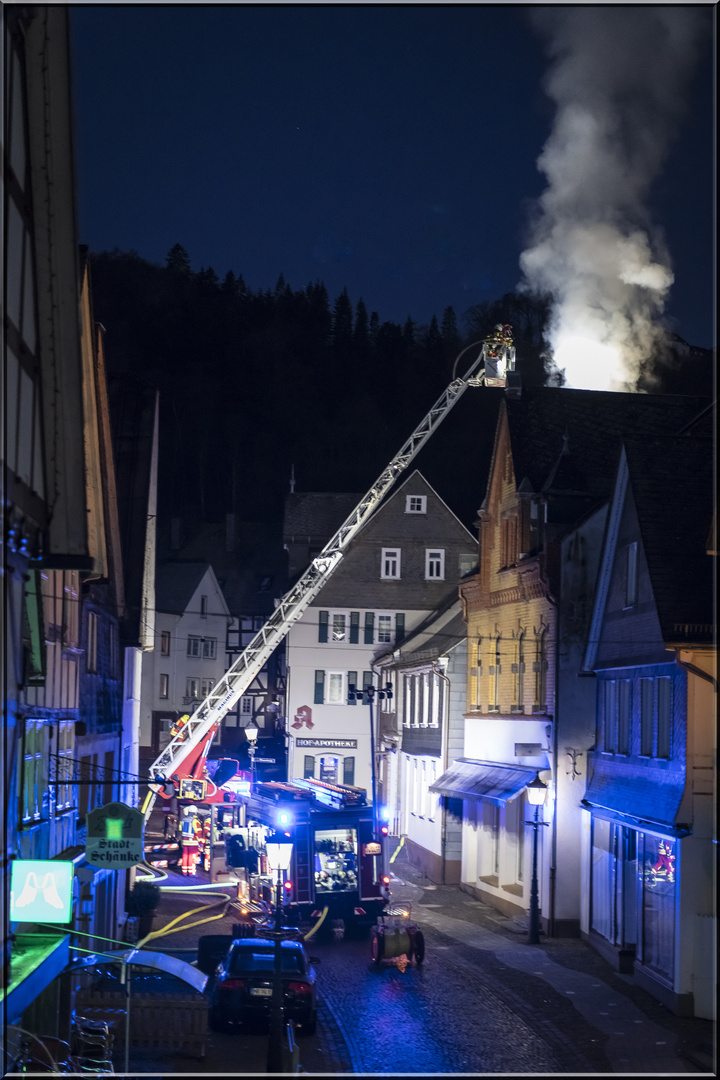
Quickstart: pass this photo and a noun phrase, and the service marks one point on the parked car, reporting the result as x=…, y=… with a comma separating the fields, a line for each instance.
x=243, y=984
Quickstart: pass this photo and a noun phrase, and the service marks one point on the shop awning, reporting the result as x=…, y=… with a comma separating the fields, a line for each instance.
x=144, y=958
x=483, y=780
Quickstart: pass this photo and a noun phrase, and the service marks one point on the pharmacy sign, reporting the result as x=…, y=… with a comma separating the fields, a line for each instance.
x=115, y=836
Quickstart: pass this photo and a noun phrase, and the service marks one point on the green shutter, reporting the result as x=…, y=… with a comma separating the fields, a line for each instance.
x=309, y=767
x=354, y=627
x=352, y=685
x=349, y=771
x=399, y=627
x=369, y=627
x=323, y=626
x=319, y=687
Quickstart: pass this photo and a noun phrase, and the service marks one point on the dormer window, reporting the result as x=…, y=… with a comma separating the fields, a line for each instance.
x=416, y=504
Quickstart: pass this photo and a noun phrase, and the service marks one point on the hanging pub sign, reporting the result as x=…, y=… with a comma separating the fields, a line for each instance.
x=41, y=891
x=115, y=836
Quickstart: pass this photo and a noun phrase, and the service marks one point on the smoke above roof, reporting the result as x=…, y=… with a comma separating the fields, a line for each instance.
x=619, y=77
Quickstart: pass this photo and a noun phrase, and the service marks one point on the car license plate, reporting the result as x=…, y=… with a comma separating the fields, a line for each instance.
x=261, y=991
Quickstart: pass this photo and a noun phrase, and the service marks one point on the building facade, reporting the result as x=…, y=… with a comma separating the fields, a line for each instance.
x=396, y=571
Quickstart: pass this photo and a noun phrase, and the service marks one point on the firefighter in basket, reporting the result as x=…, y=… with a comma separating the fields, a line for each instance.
x=191, y=833
x=179, y=728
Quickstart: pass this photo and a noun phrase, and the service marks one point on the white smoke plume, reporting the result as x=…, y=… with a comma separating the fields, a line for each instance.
x=619, y=77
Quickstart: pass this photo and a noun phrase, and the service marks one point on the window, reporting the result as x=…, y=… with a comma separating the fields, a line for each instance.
x=206, y=686
x=607, y=706
x=384, y=628
x=71, y=605
x=435, y=564
x=164, y=686
x=647, y=693
x=192, y=688
x=209, y=650
x=509, y=541
x=335, y=688
x=439, y=712
x=328, y=770
x=246, y=705
x=519, y=672
x=92, y=635
x=495, y=670
x=416, y=504
x=407, y=713
x=540, y=669
x=349, y=770
x=390, y=563
x=203, y=607
x=664, y=721
x=194, y=646
x=65, y=748
x=33, y=778
x=624, y=714
x=165, y=643
x=631, y=575
x=338, y=626
x=432, y=797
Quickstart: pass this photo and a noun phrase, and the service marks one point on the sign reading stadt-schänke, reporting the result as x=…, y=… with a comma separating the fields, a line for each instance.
x=333, y=744
x=115, y=836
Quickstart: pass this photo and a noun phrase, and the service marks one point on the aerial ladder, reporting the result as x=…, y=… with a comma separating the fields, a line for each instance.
x=183, y=760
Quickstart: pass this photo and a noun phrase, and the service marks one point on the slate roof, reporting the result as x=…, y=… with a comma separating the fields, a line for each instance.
x=443, y=629
x=594, y=423
x=673, y=485
x=316, y=513
x=175, y=584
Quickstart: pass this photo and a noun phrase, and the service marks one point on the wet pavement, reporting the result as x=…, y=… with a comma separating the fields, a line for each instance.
x=483, y=1002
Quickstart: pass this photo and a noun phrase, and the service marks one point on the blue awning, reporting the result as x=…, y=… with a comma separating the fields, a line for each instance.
x=487, y=781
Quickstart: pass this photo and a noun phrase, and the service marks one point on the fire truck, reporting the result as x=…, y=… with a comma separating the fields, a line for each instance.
x=183, y=770
x=338, y=859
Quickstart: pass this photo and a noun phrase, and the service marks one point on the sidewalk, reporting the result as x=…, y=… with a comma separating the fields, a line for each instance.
x=639, y=1033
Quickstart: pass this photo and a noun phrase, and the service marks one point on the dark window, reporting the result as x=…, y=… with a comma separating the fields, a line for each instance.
x=664, y=713
x=399, y=626
x=309, y=767
x=624, y=713
x=647, y=694
x=349, y=770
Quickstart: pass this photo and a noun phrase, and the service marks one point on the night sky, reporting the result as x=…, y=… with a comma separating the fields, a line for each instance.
x=391, y=149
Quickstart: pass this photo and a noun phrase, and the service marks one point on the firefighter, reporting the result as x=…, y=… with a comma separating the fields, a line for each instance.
x=191, y=832
x=178, y=728
x=205, y=842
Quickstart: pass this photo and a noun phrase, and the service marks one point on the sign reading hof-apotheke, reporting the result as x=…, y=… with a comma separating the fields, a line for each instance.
x=328, y=744
x=115, y=836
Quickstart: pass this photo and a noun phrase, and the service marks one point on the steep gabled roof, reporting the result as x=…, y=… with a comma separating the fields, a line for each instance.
x=673, y=485
x=316, y=513
x=175, y=585
x=594, y=423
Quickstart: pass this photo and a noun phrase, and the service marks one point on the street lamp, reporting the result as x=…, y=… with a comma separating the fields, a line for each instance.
x=536, y=792
x=251, y=734
x=278, y=849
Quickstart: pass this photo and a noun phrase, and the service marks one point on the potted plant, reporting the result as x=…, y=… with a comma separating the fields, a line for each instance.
x=142, y=902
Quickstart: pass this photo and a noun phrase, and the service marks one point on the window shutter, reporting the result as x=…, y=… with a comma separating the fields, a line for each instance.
x=352, y=685
x=399, y=626
x=354, y=627
x=369, y=627
x=319, y=687
x=349, y=770
x=309, y=767
x=323, y=627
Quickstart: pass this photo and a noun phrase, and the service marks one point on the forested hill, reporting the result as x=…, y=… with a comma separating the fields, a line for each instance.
x=253, y=383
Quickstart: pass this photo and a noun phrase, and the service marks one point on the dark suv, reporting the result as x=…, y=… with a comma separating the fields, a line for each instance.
x=243, y=984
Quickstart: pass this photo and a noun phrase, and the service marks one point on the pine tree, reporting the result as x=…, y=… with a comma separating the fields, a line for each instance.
x=449, y=333
x=342, y=322
x=178, y=260
x=360, y=330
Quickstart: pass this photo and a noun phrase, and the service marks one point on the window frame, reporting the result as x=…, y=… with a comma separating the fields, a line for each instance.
x=434, y=558
x=165, y=642
x=164, y=684
x=420, y=499
x=390, y=564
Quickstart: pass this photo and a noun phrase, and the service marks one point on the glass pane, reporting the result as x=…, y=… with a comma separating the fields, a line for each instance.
x=603, y=879
x=659, y=905
x=335, y=860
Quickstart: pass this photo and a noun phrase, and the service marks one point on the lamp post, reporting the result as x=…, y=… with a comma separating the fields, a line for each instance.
x=536, y=792
x=371, y=691
x=279, y=852
x=251, y=734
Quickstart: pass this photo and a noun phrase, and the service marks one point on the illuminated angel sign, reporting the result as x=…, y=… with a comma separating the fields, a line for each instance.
x=41, y=891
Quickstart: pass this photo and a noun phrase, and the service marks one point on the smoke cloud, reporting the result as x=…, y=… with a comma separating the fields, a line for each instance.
x=619, y=77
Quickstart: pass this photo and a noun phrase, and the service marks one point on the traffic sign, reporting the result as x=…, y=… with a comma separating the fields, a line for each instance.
x=115, y=836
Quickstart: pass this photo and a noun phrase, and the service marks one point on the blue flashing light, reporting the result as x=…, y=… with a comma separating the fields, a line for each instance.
x=284, y=819
x=384, y=813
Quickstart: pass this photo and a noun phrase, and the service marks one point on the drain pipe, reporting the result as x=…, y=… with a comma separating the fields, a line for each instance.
x=554, y=720
x=438, y=667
